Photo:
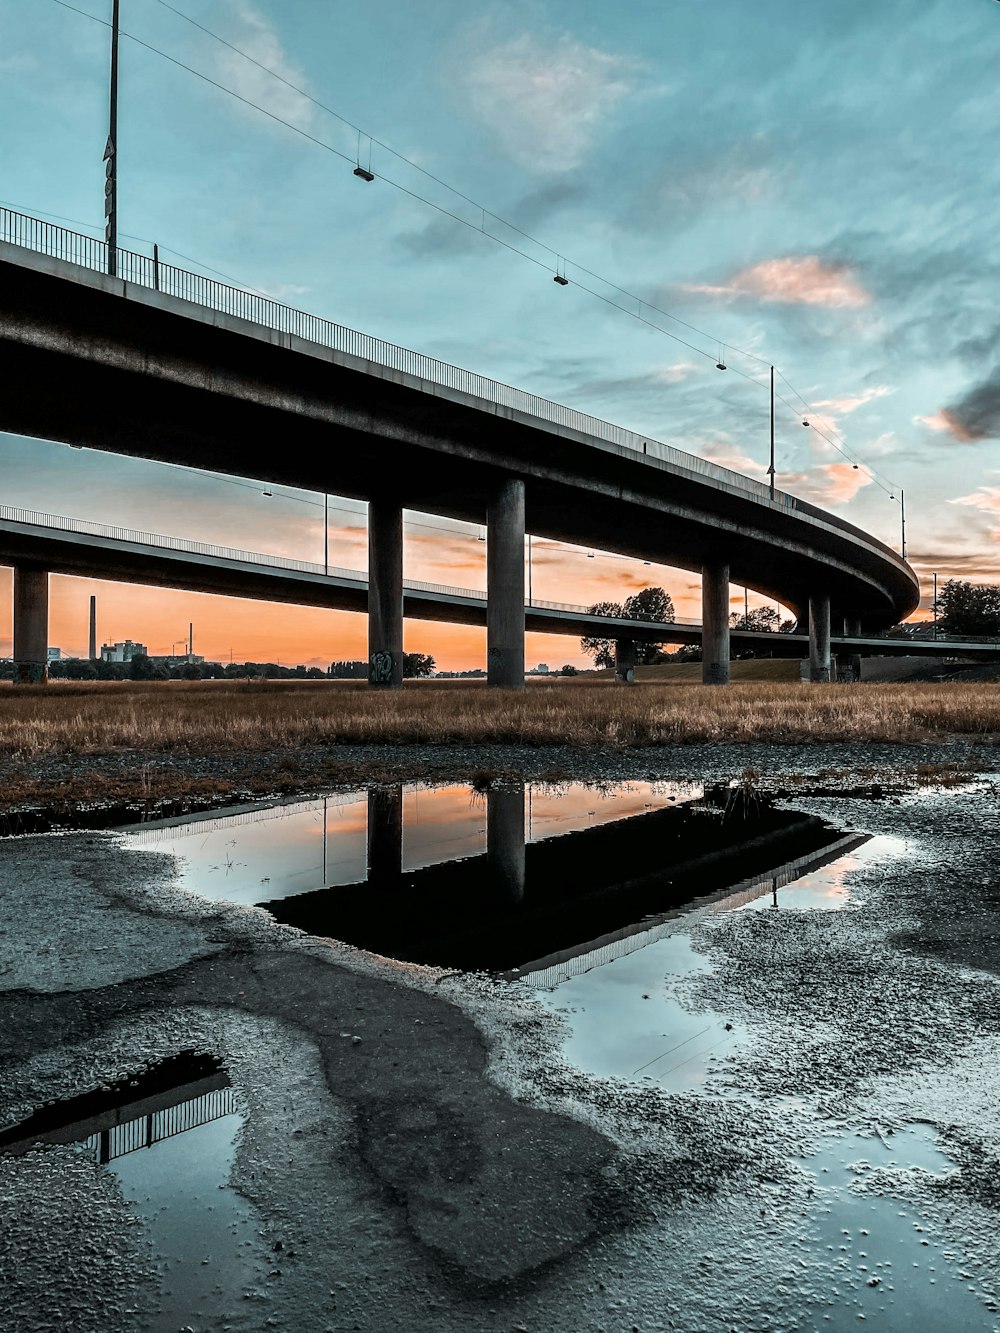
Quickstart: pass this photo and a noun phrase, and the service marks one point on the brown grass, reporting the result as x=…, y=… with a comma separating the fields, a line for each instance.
x=202, y=718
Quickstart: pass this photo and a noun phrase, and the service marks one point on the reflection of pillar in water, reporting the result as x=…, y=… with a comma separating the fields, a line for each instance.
x=505, y=840
x=385, y=831
x=774, y=891
x=324, y=841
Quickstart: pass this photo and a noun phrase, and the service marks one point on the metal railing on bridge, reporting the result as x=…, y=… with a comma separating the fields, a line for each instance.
x=158, y=541
x=150, y=272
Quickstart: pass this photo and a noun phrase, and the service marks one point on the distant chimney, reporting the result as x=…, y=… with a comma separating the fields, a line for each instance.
x=190, y=638
x=93, y=629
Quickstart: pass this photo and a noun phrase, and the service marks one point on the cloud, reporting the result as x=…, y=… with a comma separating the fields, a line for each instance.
x=986, y=497
x=547, y=103
x=973, y=418
x=258, y=39
x=851, y=403
x=806, y=280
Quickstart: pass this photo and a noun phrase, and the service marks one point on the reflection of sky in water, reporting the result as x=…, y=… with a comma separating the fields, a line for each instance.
x=826, y=889
x=893, y=1272
x=290, y=848
x=626, y=1021
x=624, y=1017
x=199, y=1231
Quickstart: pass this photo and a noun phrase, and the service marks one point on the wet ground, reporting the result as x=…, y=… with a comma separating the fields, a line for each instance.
x=740, y=1070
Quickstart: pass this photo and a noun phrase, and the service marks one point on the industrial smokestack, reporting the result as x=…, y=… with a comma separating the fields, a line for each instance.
x=93, y=629
x=190, y=638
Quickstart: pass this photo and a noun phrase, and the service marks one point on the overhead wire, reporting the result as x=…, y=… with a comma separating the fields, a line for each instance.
x=457, y=217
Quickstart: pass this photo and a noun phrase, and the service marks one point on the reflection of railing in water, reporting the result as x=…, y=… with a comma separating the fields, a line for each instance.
x=547, y=973
x=157, y=831
x=146, y=1130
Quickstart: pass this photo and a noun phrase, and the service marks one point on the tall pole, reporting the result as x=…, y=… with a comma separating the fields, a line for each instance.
x=935, y=606
x=746, y=607
x=902, y=520
x=529, y=568
x=111, y=156
x=770, y=470
x=326, y=533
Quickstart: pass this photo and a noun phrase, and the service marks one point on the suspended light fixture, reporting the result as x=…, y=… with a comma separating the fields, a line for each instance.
x=363, y=173
x=804, y=422
x=267, y=492
x=721, y=363
x=563, y=282
x=855, y=467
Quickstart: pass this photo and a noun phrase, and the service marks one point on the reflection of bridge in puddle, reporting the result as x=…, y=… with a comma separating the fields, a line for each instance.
x=489, y=880
x=156, y=1104
x=544, y=973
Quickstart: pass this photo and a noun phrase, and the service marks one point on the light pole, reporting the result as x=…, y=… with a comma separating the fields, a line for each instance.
x=902, y=520
x=111, y=155
x=529, y=568
x=326, y=533
x=770, y=468
x=934, y=607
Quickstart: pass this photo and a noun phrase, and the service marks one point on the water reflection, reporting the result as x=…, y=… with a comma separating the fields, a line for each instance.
x=168, y=1133
x=515, y=879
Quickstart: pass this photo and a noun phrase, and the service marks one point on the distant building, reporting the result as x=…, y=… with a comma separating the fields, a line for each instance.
x=177, y=659
x=55, y=654
x=123, y=652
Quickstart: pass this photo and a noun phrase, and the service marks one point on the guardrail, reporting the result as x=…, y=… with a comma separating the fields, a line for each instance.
x=150, y=272
x=161, y=542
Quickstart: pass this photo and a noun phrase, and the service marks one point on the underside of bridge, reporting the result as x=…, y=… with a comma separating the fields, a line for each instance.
x=94, y=361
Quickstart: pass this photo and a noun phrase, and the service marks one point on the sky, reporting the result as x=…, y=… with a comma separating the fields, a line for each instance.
x=815, y=186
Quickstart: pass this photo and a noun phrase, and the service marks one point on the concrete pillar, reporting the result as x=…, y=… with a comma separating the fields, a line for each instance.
x=852, y=626
x=31, y=626
x=819, y=639
x=385, y=832
x=715, y=624
x=505, y=841
x=624, y=661
x=505, y=587
x=385, y=594
x=93, y=629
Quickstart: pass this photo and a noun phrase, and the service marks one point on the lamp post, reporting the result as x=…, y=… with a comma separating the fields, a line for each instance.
x=111, y=155
x=934, y=608
x=770, y=468
x=902, y=520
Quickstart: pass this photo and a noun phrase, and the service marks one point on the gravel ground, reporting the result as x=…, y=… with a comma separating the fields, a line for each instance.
x=415, y=1151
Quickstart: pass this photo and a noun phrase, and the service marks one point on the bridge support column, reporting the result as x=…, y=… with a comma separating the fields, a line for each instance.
x=819, y=639
x=505, y=587
x=852, y=661
x=385, y=832
x=715, y=624
x=505, y=841
x=31, y=626
x=624, y=661
x=385, y=594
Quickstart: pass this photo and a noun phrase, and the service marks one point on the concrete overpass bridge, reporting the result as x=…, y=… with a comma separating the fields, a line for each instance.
x=55, y=544
x=165, y=364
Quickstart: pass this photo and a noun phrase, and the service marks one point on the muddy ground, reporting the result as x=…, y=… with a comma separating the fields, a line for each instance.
x=416, y=1155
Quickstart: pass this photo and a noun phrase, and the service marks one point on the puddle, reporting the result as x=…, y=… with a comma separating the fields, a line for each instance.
x=169, y=1136
x=891, y=1266
x=276, y=850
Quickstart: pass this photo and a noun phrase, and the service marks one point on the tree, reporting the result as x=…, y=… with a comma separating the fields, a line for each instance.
x=646, y=604
x=969, y=609
x=568, y=670
x=142, y=667
x=417, y=664
x=602, y=650
x=650, y=604
x=764, y=618
x=79, y=668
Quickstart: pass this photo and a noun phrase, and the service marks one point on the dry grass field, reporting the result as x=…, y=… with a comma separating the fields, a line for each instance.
x=204, y=718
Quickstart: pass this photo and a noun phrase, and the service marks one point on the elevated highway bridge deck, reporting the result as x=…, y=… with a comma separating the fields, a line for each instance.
x=168, y=365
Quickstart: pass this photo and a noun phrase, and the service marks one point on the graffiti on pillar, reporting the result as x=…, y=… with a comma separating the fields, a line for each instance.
x=380, y=669
x=30, y=673
x=495, y=656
